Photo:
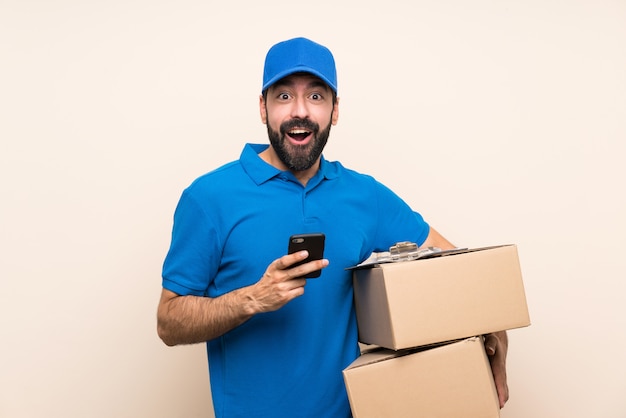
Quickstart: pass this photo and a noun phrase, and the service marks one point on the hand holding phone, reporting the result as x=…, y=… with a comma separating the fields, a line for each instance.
x=313, y=243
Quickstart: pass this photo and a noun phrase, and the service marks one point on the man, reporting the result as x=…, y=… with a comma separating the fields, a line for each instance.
x=277, y=343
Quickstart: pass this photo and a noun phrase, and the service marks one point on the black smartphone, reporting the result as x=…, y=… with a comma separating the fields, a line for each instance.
x=313, y=243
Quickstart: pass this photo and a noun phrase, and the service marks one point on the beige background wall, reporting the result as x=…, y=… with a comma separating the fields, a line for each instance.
x=500, y=121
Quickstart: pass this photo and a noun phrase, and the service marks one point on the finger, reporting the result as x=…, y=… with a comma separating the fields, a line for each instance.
x=303, y=269
x=286, y=261
x=503, y=396
x=503, y=391
x=499, y=379
x=491, y=344
x=498, y=367
x=290, y=289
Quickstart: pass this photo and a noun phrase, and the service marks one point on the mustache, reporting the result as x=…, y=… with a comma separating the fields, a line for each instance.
x=307, y=124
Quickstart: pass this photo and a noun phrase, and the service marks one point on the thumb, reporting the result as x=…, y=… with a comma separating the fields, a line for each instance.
x=491, y=342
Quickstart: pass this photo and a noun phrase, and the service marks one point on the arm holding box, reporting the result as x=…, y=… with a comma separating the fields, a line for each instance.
x=496, y=344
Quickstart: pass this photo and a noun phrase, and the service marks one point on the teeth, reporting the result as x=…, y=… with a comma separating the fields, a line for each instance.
x=298, y=131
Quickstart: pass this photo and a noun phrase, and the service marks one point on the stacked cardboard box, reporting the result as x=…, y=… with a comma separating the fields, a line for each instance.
x=453, y=380
x=414, y=309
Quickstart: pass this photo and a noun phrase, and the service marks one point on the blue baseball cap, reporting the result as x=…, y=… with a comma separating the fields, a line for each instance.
x=299, y=55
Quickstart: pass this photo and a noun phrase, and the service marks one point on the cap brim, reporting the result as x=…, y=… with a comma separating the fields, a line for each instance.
x=299, y=69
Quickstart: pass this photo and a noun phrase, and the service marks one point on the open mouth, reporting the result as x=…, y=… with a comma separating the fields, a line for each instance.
x=299, y=135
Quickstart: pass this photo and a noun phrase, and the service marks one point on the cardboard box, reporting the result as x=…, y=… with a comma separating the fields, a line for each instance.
x=449, y=381
x=420, y=302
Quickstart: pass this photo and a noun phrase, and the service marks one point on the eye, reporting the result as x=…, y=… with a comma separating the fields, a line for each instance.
x=316, y=96
x=283, y=96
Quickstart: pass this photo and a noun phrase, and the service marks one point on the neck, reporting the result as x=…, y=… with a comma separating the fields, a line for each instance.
x=270, y=157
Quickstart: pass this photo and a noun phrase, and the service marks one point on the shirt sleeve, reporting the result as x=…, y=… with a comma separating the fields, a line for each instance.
x=398, y=222
x=191, y=262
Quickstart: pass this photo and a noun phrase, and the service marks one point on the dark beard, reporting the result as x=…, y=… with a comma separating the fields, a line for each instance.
x=295, y=157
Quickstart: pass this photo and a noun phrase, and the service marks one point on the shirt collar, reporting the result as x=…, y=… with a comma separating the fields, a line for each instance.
x=260, y=171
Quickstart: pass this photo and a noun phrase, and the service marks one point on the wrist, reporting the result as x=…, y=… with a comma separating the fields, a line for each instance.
x=247, y=303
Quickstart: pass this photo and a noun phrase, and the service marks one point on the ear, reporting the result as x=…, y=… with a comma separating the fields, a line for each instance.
x=335, y=115
x=262, y=110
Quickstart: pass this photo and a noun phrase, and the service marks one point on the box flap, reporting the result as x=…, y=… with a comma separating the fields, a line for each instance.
x=375, y=354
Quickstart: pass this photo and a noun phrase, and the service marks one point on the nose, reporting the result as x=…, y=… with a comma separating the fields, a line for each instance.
x=300, y=108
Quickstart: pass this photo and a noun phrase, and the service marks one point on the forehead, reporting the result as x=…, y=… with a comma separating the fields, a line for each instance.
x=306, y=80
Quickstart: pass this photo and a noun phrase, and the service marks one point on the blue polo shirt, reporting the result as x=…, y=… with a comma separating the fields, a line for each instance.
x=229, y=225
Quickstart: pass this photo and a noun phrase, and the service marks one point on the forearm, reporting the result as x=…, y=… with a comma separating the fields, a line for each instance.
x=195, y=319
